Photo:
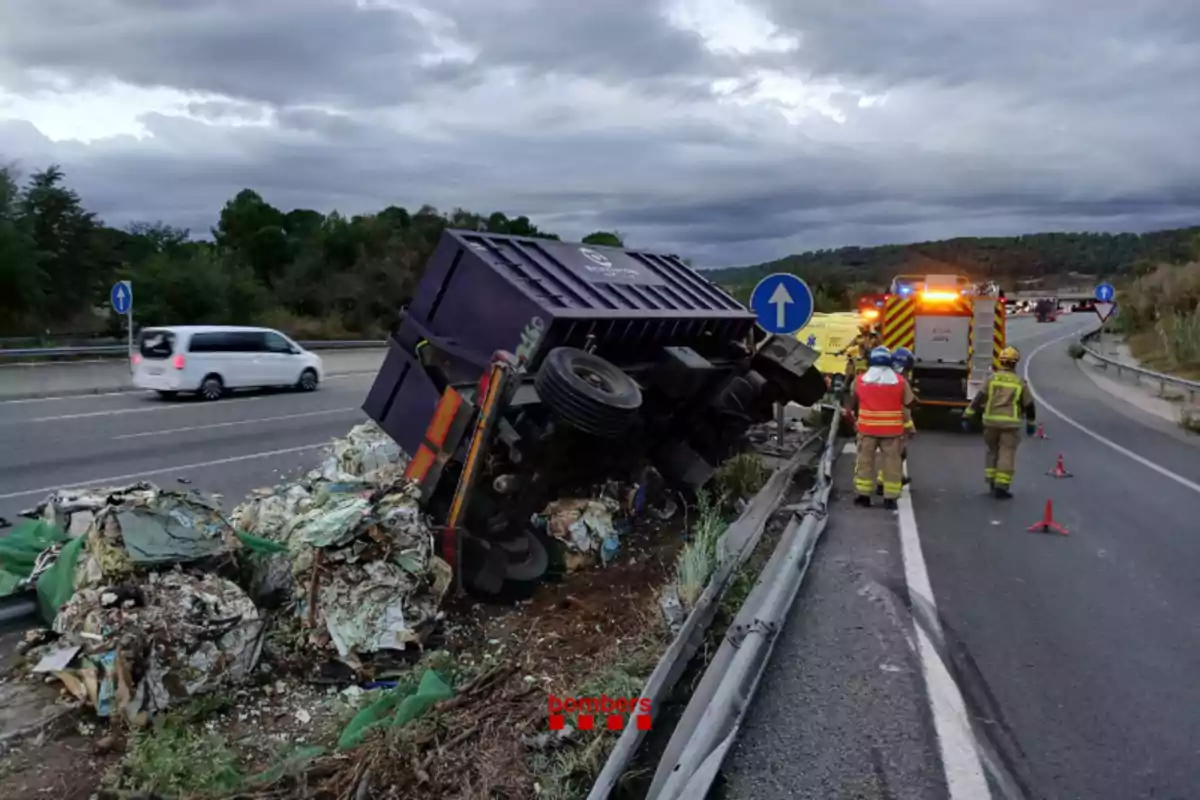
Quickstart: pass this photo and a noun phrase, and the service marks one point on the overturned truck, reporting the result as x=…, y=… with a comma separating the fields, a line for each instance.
x=525, y=367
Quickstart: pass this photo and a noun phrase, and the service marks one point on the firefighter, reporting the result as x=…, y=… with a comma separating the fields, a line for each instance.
x=1003, y=400
x=881, y=399
x=859, y=350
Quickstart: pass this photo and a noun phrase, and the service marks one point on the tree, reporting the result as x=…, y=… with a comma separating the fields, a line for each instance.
x=22, y=281
x=64, y=240
x=604, y=238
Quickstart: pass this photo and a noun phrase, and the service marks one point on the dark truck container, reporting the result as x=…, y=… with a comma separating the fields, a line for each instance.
x=626, y=357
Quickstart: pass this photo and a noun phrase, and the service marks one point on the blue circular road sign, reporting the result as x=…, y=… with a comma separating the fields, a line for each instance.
x=1105, y=293
x=121, y=297
x=783, y=303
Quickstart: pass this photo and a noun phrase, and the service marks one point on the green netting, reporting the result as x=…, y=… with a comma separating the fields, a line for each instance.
x=395, y=708
x=257, y=544
x=57, y=584
x=20, y=549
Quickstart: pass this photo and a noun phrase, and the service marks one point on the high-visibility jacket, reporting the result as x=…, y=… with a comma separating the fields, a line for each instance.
x=882, y=408
x=1003, y=399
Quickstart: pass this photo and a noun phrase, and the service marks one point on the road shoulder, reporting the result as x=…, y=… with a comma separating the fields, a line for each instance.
x=841, y=709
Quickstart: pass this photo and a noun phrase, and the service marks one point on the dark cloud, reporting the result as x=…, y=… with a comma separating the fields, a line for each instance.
x=924, y=120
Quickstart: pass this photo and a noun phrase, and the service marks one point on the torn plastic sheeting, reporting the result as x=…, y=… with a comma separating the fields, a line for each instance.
x=396, y=708
x=332, y=525
x=23, y=551
x=183, y=635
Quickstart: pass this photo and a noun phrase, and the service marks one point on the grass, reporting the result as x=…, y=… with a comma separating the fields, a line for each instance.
x=741, y=476
x=568, y=773
x=1075, y=350
x=180, y=757
x=698, y=558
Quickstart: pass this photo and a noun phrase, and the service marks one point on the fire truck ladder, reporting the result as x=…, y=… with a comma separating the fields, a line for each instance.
x=983, y=329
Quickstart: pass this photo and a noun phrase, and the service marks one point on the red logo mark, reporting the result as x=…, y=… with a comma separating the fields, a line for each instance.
x=615, y=712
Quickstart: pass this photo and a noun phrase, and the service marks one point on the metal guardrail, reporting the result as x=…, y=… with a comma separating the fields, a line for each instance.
x=121, y=349
x=735, y=546
x=1191, y=387
x=714, y=714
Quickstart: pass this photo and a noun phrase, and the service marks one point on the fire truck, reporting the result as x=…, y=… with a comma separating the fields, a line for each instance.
x=954, y=328
x=870, y=307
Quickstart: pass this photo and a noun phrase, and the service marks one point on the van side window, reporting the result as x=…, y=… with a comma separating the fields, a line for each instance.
x=249, y=342
x=209, y=343
x=277, y=344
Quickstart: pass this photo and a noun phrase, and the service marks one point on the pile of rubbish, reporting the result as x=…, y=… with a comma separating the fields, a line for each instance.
x=153, y=596
x=359, y=566
x=590, y=528
x=131, y=632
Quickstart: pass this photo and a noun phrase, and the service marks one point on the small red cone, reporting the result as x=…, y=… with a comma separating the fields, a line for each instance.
x=1059, y=471
x=1047, y=523
x=1041, y=432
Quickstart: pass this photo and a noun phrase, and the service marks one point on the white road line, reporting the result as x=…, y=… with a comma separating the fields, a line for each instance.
x=112, y=412
x=236, y=422
x=120, y=392
x=960, y=759
x=1145, y=462
x=111, y=479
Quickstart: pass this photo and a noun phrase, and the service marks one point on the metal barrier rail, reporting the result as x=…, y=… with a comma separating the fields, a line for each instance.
x=714, y=714
x=1192, y=387
x=121, y=349
x=734, y=547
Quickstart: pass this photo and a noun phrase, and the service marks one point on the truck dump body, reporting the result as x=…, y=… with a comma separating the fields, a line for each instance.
x=483, y=292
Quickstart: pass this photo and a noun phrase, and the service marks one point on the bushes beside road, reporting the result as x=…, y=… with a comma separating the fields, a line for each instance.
x=1160, y=313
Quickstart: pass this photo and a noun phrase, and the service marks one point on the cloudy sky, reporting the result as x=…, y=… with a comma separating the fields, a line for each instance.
x=732, y=131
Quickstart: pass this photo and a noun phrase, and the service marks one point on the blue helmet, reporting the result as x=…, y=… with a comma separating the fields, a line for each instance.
x=902, y=359
x=880, y=357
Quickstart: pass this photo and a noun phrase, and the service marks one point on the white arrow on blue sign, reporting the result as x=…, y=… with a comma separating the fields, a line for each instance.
x=1105, y=293
x=121, y=297
x=783, y=303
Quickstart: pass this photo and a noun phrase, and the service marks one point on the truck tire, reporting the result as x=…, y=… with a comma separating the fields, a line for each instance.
x=587, y=392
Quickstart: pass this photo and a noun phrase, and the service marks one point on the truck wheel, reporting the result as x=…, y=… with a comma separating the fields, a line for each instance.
x=588, y=392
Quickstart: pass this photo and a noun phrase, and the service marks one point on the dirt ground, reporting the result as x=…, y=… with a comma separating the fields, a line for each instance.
x=597, y=630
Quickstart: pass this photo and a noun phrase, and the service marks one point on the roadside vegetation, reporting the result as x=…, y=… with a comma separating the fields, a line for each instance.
x=1160, y=314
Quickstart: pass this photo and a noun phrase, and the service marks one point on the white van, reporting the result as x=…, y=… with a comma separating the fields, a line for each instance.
x=213, y=359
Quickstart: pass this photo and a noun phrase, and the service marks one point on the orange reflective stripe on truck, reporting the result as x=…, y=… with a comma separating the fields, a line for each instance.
x=432, y=450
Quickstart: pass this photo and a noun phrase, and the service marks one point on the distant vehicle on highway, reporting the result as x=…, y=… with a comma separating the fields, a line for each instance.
x=1084, y=305
x=1047, y=310
x=211, y=360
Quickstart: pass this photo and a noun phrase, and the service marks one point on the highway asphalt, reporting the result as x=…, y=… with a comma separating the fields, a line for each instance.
x=229, y=447
x=1075, y=657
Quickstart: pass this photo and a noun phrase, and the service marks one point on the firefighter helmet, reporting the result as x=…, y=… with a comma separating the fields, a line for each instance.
x=880, y=357
x=1009, y=356
x=865, y=328
x=902, y=359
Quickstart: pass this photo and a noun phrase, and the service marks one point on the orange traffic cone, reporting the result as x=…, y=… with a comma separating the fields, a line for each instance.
x=1041, y=432
x=1059, y=471
x=1047, y=523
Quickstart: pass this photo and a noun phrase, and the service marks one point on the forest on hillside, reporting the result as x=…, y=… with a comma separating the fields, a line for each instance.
x=313, y=275
x=1056, y=258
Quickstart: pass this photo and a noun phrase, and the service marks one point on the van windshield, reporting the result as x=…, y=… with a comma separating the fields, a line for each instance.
x=157, y=344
